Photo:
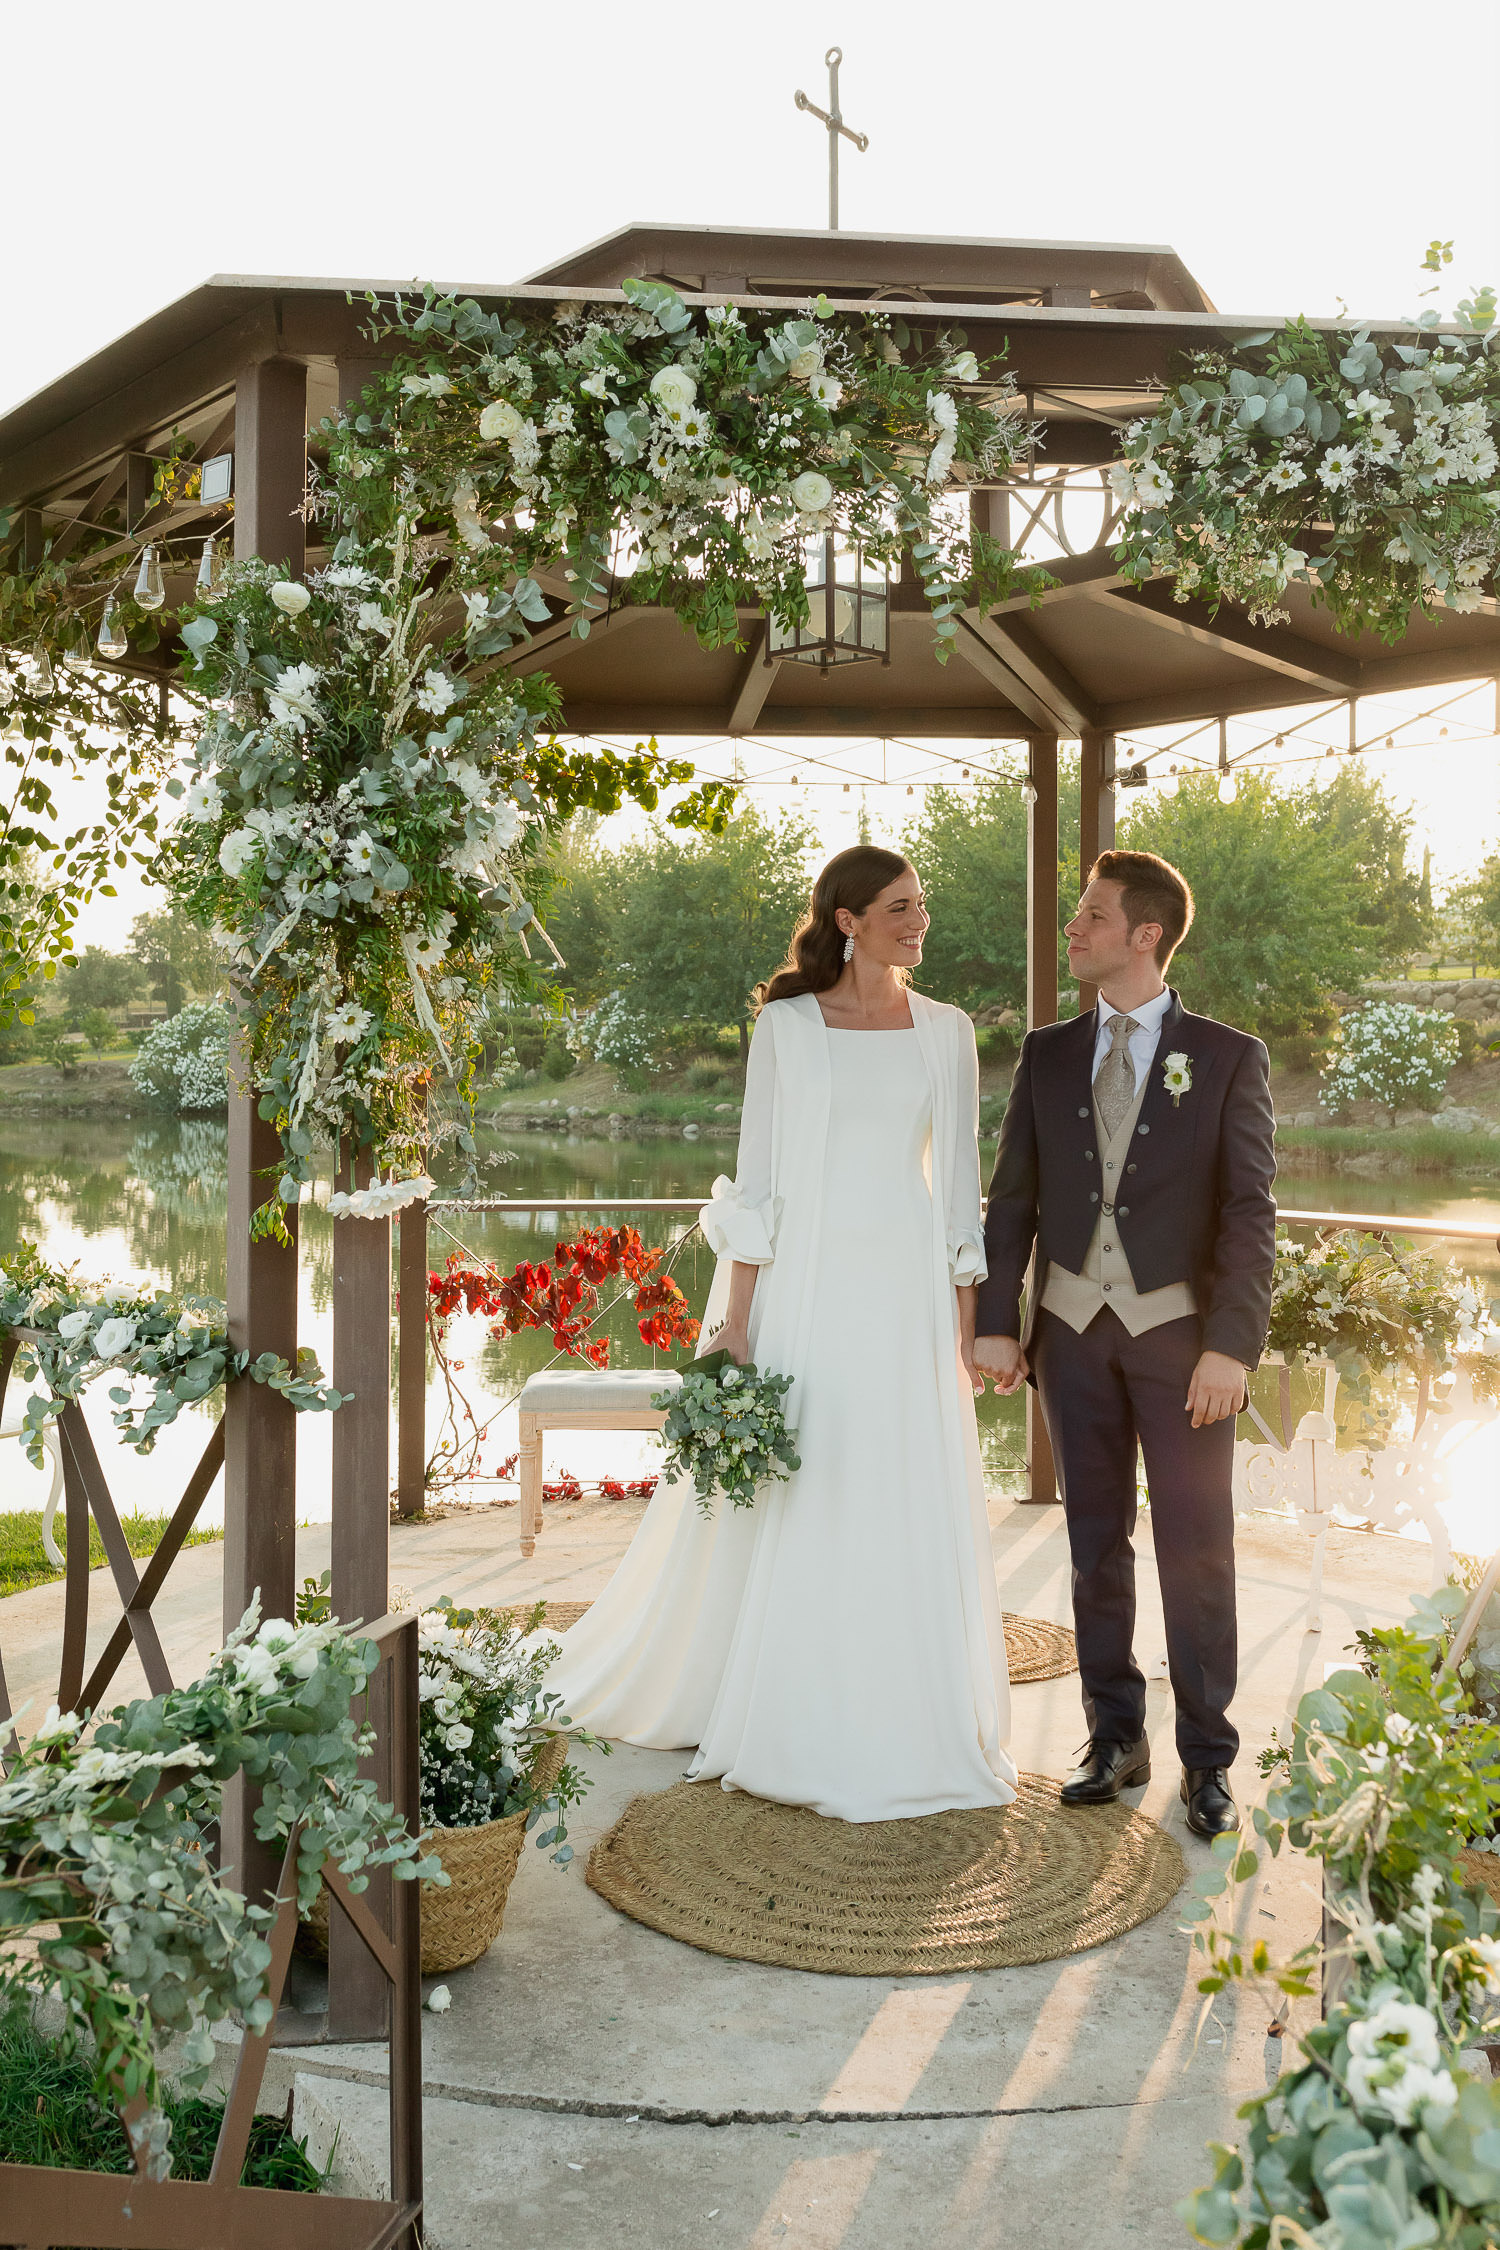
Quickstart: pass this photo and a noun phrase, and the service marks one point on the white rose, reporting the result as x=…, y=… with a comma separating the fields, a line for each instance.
x=72, y=1326
x=808, y=362
x=115, y=1336
x=237, y=850
x=500, y=420
x=290, y=598
x=962, y=368
x=812, y=492
x=674, y=389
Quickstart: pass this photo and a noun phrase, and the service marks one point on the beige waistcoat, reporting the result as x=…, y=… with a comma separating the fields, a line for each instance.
x=1106, y=1279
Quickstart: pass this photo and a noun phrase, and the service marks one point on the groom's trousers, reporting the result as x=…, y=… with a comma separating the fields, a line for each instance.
x=1102, y=1392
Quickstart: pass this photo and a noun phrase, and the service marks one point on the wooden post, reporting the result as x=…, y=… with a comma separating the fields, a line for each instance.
x=260, y=1428
x=1096, y=814
x=411, y=1377
x=1041, y=1007
x=358, y=1994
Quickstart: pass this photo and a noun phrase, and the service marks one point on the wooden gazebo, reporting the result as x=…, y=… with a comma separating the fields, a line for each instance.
x=245, y=365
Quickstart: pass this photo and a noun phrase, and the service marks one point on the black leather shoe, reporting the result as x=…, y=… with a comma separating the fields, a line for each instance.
x=1107, y=1768
x=1211, y=1809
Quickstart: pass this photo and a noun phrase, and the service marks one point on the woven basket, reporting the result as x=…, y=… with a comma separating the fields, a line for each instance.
x=461, y=1919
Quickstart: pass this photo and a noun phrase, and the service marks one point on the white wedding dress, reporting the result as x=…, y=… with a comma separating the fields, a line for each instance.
x=839, y=1644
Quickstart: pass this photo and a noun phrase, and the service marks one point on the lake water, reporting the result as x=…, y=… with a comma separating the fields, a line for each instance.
x=150, y=1200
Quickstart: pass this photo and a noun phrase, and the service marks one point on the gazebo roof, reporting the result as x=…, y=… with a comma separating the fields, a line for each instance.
x=1091, y=331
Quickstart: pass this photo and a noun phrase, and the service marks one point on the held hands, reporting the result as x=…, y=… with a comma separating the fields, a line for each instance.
x=1217, y=1389
x=1001, y=1358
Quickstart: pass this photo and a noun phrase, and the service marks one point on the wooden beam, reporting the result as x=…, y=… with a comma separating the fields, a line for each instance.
x=1019, y=646
x=976, y=648
x=1096, y=814
x=755, y=683
x=1076, y=576
x=1274, y=648
x=1041, y=1008
x=271, y=462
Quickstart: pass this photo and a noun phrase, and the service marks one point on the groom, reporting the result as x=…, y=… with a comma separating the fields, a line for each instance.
x=1136, y=1157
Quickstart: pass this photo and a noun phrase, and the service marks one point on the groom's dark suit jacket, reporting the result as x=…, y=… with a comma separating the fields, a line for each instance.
x=1195, y=1204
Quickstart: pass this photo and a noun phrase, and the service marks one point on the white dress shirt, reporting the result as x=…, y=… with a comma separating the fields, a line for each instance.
x=1144, y=1040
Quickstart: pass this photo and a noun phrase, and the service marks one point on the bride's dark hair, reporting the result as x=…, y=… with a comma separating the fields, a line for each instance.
x=852, y=880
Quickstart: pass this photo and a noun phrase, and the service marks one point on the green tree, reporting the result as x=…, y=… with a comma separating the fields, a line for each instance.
x=702, y=919
x=1485, y=906
x=1354, y=810
x=584, y=910
x=180, y=960
x=100, y=980
x=1279, y=892
x=969, y=847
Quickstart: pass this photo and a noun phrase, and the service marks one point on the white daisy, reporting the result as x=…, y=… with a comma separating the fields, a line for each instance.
x=349, y=1021
x=292, y=702
x=436, y=693
x=203, y=801
x=359, y=853
x=1283, y=476
x=371, y=618
x=1337, y=466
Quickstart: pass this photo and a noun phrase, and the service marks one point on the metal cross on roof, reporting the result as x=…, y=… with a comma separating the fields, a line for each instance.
x=833, y=119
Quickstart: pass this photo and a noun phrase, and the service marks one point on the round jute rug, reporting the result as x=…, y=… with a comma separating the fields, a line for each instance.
x=989, y=1889
x=1035, y=1649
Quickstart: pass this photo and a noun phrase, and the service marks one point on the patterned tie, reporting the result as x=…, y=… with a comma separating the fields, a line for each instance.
x=1114, y=1088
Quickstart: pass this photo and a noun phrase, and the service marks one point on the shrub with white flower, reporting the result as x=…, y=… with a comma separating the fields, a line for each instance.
x=102, y=1862
x=71, y=1334
x=1389, y=1053
x=183, y=1062
x=726, y=1428
x=487, y=1715
x=1364, y=471
x=615, y=1032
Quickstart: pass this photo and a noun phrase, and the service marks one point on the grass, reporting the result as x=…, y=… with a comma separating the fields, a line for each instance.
x=23, y=1558
x=1421, y=1148
x=50, y=2115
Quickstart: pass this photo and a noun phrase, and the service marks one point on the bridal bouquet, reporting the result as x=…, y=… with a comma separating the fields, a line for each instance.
x=726, y=1429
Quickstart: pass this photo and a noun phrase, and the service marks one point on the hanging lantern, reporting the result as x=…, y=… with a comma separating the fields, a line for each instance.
x=37, y=678
x=150, y=587
x=111, y=641
x=848, y=611
x=1229, y=788
x=77, y=656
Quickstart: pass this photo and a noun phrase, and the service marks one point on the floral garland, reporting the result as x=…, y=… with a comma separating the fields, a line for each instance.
x=1373, y=2133
x=71, y=1335
x=1364, y=471
x=104, y=1840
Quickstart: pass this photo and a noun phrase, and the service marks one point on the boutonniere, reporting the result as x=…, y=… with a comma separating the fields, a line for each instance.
x=1177, y=1077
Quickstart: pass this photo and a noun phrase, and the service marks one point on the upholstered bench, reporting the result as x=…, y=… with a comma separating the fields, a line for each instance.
x=602, y=1398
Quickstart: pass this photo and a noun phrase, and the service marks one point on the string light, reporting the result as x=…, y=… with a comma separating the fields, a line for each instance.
x=210, y=571
x=38, y=679
x=76, y=654
x=150, y=587
x=1169, y=782
x=111, y=641
x=1229, y=787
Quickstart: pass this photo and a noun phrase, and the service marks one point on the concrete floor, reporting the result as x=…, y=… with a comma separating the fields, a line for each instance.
x=595, y=2082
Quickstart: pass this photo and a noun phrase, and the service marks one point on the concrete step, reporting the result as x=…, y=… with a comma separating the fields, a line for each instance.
x=498, y=2177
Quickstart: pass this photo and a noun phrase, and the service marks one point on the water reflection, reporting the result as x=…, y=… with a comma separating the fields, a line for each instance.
x=151, y=1200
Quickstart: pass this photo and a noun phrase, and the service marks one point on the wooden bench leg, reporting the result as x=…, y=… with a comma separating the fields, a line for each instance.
x=530, y=1478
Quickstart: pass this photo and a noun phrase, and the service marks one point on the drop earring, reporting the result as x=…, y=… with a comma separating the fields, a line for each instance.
x=848, y=949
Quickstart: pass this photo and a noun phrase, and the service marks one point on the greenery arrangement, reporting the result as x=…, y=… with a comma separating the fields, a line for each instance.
x=1391, y=1054
x=486, y=1716
x=72, y=1333
x=182, y=1063
x=726, y=1428
x=1363, y=471
x=104, y=1838
x=50, y=2113
x=1378, y=1311
x=1374, y=2138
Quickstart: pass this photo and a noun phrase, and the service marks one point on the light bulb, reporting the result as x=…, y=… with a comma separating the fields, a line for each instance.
x=209, y=572
x=39, y=679
x=1028, y=791
x=1169, y=782
x=76, y=654
x=111, y=641
x=1229, y=789
x=150, y=590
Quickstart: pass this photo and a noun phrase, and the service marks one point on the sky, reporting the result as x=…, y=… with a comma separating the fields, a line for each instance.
x=1296, y=163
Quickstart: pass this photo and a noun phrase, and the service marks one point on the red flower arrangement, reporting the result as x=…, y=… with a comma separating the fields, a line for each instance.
x=564, y=1296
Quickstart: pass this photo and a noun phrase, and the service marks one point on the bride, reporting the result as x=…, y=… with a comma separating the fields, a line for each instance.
x=839, y=1644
